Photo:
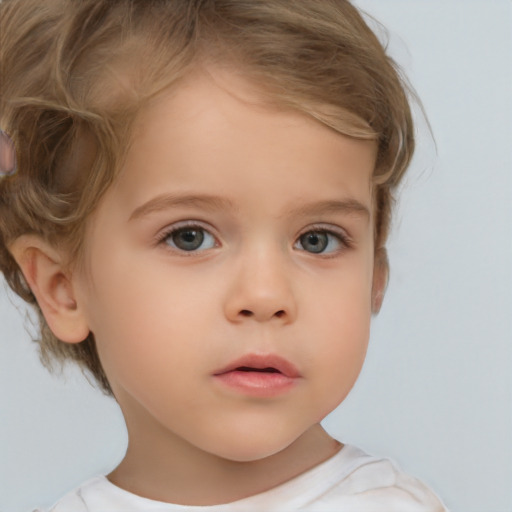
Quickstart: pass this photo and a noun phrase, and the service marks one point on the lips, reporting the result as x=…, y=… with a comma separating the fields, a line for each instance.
x=262, y=364
x=258, y=376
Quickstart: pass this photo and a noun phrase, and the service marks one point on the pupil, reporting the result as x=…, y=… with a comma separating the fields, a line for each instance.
x=189, y=236
x=314, y=242
x=189, y=239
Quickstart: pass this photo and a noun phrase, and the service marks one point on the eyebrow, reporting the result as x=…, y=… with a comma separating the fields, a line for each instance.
x=347, y=206
x=213, y=203
x=166, y=201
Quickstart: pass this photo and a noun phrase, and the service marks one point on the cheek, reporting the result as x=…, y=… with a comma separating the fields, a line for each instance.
x=337, y=368
x=340, y=338
x=149, y=323
x=342, y=310
x=345, y=341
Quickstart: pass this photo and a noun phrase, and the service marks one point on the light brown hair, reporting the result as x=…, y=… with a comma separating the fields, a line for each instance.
x=75, y=73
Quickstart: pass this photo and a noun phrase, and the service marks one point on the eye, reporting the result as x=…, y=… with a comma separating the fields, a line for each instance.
x=189, y=239
x=321, y=242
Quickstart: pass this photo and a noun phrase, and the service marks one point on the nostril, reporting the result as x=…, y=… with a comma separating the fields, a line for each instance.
x=248, y=313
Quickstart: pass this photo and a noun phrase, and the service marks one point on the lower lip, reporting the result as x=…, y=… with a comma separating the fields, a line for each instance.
x=260, y=384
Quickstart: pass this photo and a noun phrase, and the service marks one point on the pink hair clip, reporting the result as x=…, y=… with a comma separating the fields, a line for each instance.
x=7, y=155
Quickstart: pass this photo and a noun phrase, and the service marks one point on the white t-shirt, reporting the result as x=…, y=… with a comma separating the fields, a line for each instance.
x=350, y=481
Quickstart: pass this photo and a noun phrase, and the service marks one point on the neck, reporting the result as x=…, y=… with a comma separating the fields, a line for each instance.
x=162, y=466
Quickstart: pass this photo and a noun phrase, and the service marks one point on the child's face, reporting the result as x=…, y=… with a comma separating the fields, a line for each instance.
x=234, y=230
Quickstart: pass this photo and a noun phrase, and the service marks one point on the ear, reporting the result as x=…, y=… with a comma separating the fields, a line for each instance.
x=380, y=278
x=45, y=274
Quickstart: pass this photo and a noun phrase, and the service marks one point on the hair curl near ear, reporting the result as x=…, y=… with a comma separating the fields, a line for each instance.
x=7, y=155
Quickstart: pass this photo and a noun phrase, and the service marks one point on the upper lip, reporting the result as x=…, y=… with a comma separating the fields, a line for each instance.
x=261, y=362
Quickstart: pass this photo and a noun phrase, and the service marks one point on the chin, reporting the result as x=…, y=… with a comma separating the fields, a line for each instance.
x=249, y=454
x=250, y=448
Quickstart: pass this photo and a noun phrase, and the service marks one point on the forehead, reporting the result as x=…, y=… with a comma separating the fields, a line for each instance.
x=216, y=132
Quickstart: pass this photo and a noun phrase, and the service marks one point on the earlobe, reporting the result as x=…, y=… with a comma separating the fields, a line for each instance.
x=380, y=279
x=44, y=272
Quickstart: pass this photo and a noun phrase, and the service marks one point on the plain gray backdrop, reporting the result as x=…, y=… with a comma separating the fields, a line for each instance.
x=436, y=390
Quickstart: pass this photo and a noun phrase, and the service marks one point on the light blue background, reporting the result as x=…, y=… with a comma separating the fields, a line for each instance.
x=436, y=391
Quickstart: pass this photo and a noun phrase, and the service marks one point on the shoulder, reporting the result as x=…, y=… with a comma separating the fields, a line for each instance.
x=74, y=501
x=364, y=482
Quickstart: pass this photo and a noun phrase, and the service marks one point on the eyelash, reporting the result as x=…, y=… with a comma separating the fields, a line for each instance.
x=343, y=239
x=191, y=225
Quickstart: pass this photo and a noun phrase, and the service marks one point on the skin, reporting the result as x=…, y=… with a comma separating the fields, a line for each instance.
x=165, y=319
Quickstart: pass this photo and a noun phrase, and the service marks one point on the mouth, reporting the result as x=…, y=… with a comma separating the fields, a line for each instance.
x=257, y=375
x=261, y=364
x=263, y=370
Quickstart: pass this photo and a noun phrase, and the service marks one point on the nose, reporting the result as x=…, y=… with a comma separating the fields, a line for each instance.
x=261, y=289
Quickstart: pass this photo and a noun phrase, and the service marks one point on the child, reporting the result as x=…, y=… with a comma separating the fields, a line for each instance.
x=198, y=214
